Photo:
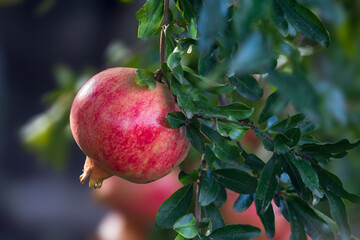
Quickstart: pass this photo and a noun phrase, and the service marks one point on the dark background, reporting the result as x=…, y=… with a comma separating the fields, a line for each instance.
x=38, y=201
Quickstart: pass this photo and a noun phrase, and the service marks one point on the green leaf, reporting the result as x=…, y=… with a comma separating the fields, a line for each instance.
x=186, y=179
x=186, y=226
x=299, y=91
x=333, y=184
x=237, y=111
x=252, y=57
x=187, y=8
x=145, y=77
x=212, y=22
x=150, y=17
x=174, y=63
x=236, y=180
x=209, y=155
x=252, y=161
x=305, y=22
x=275, y=104
x=281, y=143
x=207, y=110
x=248, y=87
x=174, y=207
x=206, y=63
x=179, y=237
x=221, y=198
x=267, y=218
x=205, y=223
x=209, y=189
x=223, y=149
x=308, y=175
x=206, y=84
x=235, y=131
x=338, y=212
x=294, y=175
x=297, y=120
x=176, y=119
x=297, y=228
x=267, y=139
x=315, y=226
x=267, y=184
x=235, y=232
x=193, y=134
x=232, y=112
x=280, y=19
x=324, y=151
x=243, y=202
x=184, y=100
x=213, y=213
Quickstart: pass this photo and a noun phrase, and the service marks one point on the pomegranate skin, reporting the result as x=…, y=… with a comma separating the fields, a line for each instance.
x=123, y=129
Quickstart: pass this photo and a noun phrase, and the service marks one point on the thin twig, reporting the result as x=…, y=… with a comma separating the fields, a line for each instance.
x=198, y=185
x=164, y=24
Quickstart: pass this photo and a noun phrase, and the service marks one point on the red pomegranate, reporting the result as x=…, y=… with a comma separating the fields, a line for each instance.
x=123, y=129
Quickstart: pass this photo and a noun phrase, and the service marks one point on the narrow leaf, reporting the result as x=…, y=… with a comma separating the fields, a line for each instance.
x=295, y=176
x=252, y=161
x=150, y=17
x=209, y=189
x=297, y=228
x=243, y=202
x=267, y=184
x=235, y=232
x=267, y=218
x=248, y=87
x=186, y=226
x=213, y=213
x=297, y=120
x=333, y=184
x=299, y=91
x=315, y=226
x=193, y=134
x=275, y=104
x=223, y=149
x=280, y=19
x=176, y=119
x=236, y=180
x=174, y=207
x=308, y=175
x=207, y=84
x=338, y=212
x=145, y=77
x=305, y=22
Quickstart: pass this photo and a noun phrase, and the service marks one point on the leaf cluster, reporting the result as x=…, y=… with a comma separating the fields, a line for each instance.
x=220, y=52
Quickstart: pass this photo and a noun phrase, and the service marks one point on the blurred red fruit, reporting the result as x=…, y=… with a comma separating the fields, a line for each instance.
x=138, y=202
x=282, y=227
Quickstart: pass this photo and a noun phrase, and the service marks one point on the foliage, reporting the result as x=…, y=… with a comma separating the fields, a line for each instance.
x=238, y=46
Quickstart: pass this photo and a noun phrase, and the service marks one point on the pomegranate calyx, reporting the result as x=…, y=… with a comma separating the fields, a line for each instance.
x=94, y=172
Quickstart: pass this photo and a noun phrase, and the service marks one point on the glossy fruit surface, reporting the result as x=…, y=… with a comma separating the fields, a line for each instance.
x=123, y=129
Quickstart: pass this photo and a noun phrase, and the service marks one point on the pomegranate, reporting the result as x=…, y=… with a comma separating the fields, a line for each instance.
x=123, y=129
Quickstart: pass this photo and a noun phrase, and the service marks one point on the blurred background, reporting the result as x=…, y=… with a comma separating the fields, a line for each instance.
x=49, y=48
